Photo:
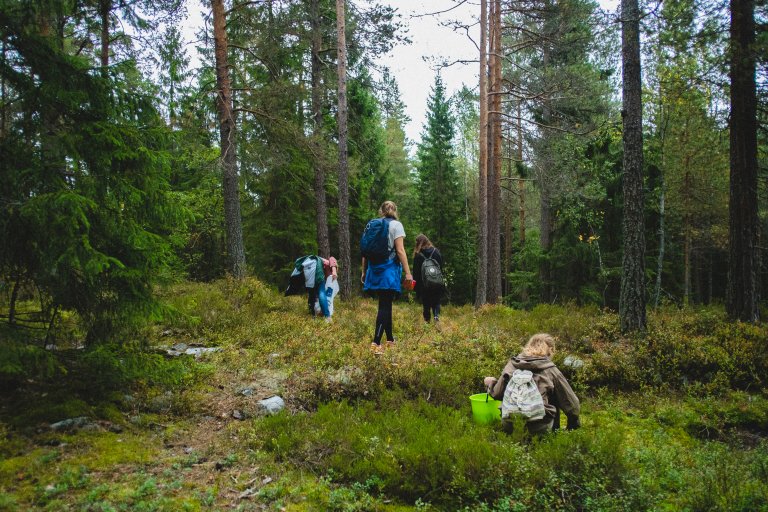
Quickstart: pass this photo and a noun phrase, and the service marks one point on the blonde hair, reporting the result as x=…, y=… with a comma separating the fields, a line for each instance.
x=422, y=242
x=388, y=209
x=541, y=344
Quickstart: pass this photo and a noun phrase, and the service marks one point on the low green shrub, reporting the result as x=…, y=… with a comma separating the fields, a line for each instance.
x=415, y=450
x=106, y=368
x=21, y=361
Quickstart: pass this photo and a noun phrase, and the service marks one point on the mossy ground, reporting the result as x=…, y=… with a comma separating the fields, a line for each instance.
x=672, y=420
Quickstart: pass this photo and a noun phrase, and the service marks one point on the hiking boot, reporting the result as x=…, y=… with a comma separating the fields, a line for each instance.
x=377, y=349
x=390, y=344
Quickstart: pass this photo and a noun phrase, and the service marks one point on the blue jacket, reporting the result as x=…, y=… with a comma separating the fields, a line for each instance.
x=383, y=276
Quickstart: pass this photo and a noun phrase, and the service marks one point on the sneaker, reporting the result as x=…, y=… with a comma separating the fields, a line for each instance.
x=390, y=344
x=377, y=349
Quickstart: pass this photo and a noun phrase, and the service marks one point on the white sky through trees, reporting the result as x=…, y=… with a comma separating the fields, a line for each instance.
x=434, y=41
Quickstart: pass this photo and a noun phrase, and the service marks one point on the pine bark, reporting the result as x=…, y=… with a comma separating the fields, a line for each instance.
x=321, y=205
x=546, y=223
x=632, y=299
x=742, y=295
x=227, y=134
x=482, y=210
x=345, y=275
x=105, y=8
x=494, y=182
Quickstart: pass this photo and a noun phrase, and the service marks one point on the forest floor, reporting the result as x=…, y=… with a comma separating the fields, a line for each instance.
x=676, y=419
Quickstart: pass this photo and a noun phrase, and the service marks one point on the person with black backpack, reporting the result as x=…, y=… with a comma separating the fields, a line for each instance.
x=430, y=283
x=384, y=259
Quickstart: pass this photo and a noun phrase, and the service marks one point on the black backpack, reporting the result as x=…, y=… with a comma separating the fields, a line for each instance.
x=374, y=244
x=431, y=275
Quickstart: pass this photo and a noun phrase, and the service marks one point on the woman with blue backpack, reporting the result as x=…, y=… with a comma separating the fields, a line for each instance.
x=383, y=262
x=430, y=285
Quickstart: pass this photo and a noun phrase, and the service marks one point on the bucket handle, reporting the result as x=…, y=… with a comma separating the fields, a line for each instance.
x=487, y=394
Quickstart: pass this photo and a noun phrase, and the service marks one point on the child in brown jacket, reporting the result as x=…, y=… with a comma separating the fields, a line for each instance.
x=555, y=391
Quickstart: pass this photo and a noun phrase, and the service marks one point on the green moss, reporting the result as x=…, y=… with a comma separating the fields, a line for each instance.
x=104, y=450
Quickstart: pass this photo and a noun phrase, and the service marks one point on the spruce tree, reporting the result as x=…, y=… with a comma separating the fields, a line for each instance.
x=441, y=205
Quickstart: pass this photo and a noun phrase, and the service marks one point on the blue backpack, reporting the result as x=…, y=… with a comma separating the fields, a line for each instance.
x=374, y=244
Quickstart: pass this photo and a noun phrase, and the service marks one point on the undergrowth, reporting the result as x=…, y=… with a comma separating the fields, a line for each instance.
x=674, y=419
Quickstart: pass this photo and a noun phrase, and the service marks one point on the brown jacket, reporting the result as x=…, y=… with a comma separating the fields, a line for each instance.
x=553, y=386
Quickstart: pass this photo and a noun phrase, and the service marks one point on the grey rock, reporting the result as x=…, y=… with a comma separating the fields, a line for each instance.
x=573, y=362
x=70, y=424
x=246, y=392
x=199, y=351
x=272, y=405
x=238, y=415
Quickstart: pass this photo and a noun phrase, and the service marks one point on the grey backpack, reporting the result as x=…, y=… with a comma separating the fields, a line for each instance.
x=522, y=397
x=431, y=275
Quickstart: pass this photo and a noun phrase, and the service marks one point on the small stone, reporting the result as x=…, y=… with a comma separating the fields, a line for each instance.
x=188, y=450
x=246, y=391
x=266, y=480
x=573, y=362
x=272, y=405
x=69, y=424
x=238, y=415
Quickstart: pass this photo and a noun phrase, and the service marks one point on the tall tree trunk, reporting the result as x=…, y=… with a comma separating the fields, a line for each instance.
x=321, y=205
x=742, y=296
x=546, y=224
x=662, y=235
x=521, y=182
x=345, y=276
x=494, y=182
x=482, y=210
x=686, y=260
x=632, y=299
x=105, y=8
x=521, y=192
x=227, y=133
x=3, y=94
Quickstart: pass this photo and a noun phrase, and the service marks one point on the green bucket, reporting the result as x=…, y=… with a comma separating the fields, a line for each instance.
x=485, y=409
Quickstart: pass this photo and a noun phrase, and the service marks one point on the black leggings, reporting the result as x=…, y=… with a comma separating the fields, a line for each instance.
x=430, y=306
x=384, y=316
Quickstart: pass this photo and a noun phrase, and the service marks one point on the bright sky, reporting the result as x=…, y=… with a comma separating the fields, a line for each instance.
x=414, y=65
